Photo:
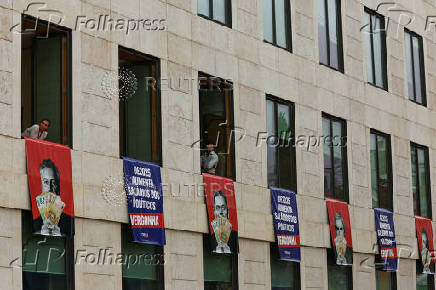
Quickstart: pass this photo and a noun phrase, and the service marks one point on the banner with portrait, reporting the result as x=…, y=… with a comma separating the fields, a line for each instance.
x=222, y=215
x=285, y=216
x=340, y=230
x=424, y=232
x=384, y=225
x=145, y=201
x=51, y=189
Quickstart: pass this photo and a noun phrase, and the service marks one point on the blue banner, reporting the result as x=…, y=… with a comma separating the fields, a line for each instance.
x=384, y=225
x=145, y=201
x=285, y=216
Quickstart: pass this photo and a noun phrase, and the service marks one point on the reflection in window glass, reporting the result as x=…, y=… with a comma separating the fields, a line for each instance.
x=203, y=7
x=329, y=34
x=219, y=10
x=281, y=27
x=420, y=178
x=267, y=20
x=385, y=280
x=322, y=32
x=339, y=277
x=415, y=67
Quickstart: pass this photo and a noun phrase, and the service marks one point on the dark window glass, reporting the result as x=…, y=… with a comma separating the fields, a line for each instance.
x=339, y=277
x=420, y=180
x=385, y=280
x=375, y=43
x=285, y=275
x=423, y=281
x=415, y=67
x=145, y=271
x=47, y=261
x=216, y=123
x=335, y=158
x=220, y=270
x=46, y=78
x=140, y=129
x=217, y=10
x=381, y=172
x=330, y=33
x=277, y=22
x=281, y=152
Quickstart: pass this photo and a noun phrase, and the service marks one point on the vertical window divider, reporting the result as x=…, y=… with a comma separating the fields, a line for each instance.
x=418, y=190
x=327, y=30
x=413, y=66
x=371, y=32
x=377, y=170
x=274, y=26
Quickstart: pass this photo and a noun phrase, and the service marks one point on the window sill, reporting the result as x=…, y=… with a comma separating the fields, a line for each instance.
x=333, y=68
x=378, y=87
x=420, y=104
x=278, y=46
x=216, y=21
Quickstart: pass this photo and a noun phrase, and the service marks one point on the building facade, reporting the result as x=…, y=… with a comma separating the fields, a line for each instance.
x=362, y=70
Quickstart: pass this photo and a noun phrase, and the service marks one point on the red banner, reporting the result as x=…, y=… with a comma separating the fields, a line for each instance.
x=222, y=213
x=424, y=232
x=340, y=230
x=51, y=190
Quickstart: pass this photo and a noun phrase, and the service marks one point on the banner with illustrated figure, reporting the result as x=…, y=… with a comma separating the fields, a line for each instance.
x=340, y=230
x=384, y=225
x=51, y=190
x=221, y=210
x=424, y=232
x=145, y=201
x=285, y=216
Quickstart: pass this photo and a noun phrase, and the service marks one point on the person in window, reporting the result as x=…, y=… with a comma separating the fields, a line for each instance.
x=343, y=252
x=225, y=238
x=37, y=131
x=52, y=221
x=425, y=253
x=209, y=161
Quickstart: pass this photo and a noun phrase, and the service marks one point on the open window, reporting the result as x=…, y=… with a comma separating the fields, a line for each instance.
x=216, y=123
x=47, y=261
x=46, y=78
x=140, y=117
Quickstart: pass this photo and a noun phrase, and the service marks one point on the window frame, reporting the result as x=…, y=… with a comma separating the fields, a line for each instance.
x=339, y=37
x=389, y=166
x=227, y=87
x=421, y=66
x=344, y=159
x=392, y=277
x=27, y=219
x=160, y=273
x=234, y=262
x=288, y=26
x=274, y=255
x=415, y=147
x=66, y=108
x=156, y=108
x=228, y=12
x=331, y=263
x=383, y=48
x=293, y=164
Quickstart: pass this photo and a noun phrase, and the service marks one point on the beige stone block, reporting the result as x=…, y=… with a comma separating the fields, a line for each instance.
x=7, y=278
x=178, y=157
x=246, y=23
x=304, y=25
x=246, y=47
x=201, y=31
x=179, y=21
x=97, y=281
x=179, y=50
x=251, y=100
x=95, y=51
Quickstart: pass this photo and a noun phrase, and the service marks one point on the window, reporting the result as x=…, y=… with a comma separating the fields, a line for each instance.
x=145, y=271
x=281, y=152
x=375, y=42
x=420, y=180
x=335, y=158
x=415, y=67
x=46, y=78
x=47, y=261
x=381, y=170
x=330, y=34
x=140, y=123
x=216, y=123
x=220, y=270
x=277, y=22
x=339, y=277
x=385, y=280
x=423, y=281
x=219, y=11
x=285, y=275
